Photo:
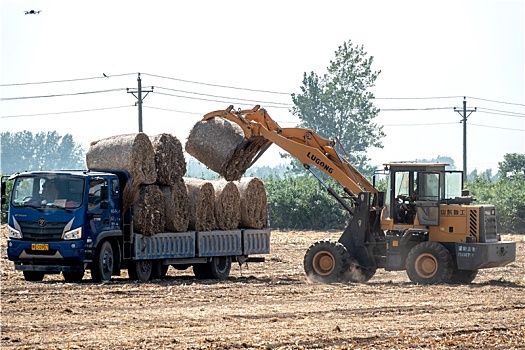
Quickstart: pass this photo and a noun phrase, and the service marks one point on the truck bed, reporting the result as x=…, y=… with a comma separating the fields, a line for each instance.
x=194, y=244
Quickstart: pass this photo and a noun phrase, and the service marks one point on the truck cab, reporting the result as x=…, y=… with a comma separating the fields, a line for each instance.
x=56, y=219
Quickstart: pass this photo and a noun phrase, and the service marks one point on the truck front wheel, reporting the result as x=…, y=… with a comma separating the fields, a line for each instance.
x=327, y=261
x=33, y=276
x=103, y=263
x=429, y=263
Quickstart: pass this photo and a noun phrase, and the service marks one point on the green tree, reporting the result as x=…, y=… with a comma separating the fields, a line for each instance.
x=301, y=202
x=339, y=105
x=24, y=150
x=512, y=166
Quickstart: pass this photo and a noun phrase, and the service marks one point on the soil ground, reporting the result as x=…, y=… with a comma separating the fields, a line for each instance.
x=268, y=305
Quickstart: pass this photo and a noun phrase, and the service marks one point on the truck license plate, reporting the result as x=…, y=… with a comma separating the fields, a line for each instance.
x=40, y=246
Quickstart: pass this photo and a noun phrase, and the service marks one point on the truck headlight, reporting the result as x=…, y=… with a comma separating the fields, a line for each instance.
x=14, y=233
x=73, y=234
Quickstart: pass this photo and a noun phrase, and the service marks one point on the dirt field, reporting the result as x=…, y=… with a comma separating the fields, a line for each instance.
x=267, y=305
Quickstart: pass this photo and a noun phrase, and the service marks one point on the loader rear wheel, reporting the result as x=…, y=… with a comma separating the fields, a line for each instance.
x=326, y=261
x=463, y=276
x=429, y=263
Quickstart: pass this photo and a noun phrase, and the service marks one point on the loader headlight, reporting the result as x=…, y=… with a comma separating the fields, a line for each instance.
x=73, y=234
x=14, y=233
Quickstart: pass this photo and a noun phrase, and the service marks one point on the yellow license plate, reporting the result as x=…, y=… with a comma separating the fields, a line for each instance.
x=40, y=246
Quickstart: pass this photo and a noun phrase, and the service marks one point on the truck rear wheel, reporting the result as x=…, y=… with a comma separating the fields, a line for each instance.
x=326, y=261
x=217, y=268
x=33, y=276
x=159, y=270
x=103, y=264
x=429, y=263
x=140, y=270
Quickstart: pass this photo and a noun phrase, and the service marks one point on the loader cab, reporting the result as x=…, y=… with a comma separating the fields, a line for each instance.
x=420, y=188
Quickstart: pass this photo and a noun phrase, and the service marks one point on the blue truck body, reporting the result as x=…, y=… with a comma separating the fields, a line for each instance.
x=88, y=228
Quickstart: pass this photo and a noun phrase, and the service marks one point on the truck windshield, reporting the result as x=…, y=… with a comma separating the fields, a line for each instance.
x=48, y=192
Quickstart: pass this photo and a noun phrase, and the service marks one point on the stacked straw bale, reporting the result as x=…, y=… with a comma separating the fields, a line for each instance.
x=227, y=205
x=149, y=211
x=169, y=159
x=131, y=152
x=177, y=206
x=254, y=202
x=201, y=196
x=213, y=142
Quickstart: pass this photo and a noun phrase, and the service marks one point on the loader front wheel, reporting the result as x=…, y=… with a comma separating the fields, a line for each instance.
x=326, y=261
x=429, y=263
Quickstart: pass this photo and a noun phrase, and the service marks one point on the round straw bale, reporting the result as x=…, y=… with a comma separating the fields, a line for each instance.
x=254, y=202
x=213, y=143
x=227, y=205
x=176, y=206
x=148, y=215
x=201, y=196
x=169, y=158
x=131, y=152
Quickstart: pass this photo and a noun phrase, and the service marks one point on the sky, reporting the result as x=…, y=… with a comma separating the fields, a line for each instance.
x=202, y=56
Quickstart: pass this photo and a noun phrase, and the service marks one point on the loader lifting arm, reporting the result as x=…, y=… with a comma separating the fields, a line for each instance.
x=304, y=144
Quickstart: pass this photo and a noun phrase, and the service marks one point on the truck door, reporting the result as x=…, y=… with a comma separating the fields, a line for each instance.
x=428, y=194
x=98, y=205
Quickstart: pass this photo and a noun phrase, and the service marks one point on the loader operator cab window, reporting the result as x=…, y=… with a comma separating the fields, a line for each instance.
x=403, y=196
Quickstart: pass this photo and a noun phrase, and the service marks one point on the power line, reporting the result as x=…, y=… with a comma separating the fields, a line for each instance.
x=415, y=98
x=497, y=127
x=420, y=124
x=59, y=95
x=412, y=109
x=507, y=113
x=287, y=105
x=174, y=110
x=217, y=85
x=65, y=112
x=507, y=103
x=66, y=80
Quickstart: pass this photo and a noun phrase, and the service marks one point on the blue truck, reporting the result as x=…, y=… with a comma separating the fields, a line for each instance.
x=89, y=226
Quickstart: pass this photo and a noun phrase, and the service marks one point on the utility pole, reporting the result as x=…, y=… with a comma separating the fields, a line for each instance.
x=464, y=121
x=139, y=98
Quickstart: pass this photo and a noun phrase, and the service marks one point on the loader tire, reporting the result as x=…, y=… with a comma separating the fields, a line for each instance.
x=359, y=274
x=327, y=261
x=463, y=276
x=429, y=263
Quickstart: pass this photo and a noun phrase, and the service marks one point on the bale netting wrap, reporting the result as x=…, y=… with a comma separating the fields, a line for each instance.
x=227, y=205
x=148, y=213
x=169, y=158
x=201, y=196
x=177, y=206
x=254, y=202
x=131, y=152
x=213, y=142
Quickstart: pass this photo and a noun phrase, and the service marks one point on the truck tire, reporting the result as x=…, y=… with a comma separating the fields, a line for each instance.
x=217, y=268
x=327, y=261
x=33, y=276
x=463, y=276
x=140, y=270
x=73, y=276
x=159, y=270
x=102, y=268
x=429, y=263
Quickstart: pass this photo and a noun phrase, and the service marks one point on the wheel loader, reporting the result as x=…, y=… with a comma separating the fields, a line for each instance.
x=425, y=223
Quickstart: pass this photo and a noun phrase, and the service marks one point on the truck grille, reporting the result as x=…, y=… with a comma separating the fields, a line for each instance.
x=32, y=231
